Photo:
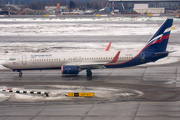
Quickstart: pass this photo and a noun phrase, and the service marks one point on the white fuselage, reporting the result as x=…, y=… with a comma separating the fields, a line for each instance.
x=57, y=59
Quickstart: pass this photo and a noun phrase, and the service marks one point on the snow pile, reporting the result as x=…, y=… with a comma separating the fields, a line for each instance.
x=58, y=92
x=70, y=26
x=79, y=29
x=96, y=19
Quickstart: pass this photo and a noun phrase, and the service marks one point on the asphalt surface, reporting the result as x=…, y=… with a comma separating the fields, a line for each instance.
x=135, y=93
x=159, y=100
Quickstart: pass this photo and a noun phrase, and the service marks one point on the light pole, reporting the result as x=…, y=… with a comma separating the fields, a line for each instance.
x=113, y=8
x=9, y=8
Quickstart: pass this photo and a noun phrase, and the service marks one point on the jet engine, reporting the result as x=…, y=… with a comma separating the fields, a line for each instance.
x=68, y=69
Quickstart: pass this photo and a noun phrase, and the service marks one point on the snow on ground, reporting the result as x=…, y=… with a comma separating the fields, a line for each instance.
x=51, y=27
x=54, y=19
x=79, y=29
x=60, y=92
x=3, y=97
x=76, y=29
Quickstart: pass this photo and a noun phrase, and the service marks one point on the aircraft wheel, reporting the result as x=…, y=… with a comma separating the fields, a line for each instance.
x=89, y=73
x=20, y=74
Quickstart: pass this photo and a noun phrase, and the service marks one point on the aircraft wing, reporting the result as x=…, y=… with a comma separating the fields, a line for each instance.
x=98, y=65
x=95, y=65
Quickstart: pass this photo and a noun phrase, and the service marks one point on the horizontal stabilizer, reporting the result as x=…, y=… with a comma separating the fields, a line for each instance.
x=161, y=53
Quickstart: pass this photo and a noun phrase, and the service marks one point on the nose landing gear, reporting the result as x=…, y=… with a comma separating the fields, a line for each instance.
x=20, y=73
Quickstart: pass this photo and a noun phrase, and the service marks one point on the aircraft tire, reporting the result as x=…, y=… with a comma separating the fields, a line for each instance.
x=89, y=73
x=20, y=74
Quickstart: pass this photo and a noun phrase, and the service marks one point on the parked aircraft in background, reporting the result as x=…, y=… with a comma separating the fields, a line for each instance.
x=75, y=62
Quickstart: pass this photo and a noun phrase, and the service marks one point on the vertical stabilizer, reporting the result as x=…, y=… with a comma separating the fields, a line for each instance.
x=158, y=42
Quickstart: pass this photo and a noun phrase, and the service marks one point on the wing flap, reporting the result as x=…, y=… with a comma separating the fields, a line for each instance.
x=98, y=65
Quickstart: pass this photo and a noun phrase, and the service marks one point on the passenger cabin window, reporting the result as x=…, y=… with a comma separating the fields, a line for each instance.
x=12, y=59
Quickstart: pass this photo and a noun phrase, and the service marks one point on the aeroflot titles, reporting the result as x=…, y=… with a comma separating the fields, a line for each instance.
x=76, y=58
x=34, y=56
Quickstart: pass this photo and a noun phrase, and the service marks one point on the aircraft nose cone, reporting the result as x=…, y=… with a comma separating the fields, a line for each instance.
x=4, y=64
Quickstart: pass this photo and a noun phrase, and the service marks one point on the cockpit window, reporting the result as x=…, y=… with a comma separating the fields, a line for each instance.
x=12, y=59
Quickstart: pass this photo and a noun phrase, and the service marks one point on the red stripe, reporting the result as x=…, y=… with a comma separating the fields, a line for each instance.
x=162, y=38
x=115, y=58
x=158, y=41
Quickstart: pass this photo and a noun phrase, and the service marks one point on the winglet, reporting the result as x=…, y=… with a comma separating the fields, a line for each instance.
x=108, y=47
x=115, y=58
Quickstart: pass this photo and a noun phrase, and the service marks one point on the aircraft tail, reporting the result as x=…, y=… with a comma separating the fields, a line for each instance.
x=158, y=42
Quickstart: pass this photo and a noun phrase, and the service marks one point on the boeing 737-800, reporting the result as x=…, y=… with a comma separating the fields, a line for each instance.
x=74, y=62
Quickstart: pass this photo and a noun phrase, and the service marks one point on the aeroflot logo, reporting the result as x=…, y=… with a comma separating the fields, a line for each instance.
x=34, y=56
x=78, y=59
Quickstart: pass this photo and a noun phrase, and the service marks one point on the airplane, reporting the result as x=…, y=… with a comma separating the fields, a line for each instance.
x=75, y=62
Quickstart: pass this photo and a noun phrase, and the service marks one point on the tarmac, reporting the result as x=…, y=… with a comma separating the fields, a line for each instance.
x=156, y=87
x=136, y=93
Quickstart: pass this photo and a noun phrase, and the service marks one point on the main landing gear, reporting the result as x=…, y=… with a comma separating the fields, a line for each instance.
x=89, y=73
x=20, y=73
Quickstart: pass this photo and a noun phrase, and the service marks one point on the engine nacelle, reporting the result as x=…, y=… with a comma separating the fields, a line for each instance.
x=67, y=69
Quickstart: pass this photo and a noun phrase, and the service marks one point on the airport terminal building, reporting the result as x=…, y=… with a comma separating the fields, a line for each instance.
x=129, y=4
